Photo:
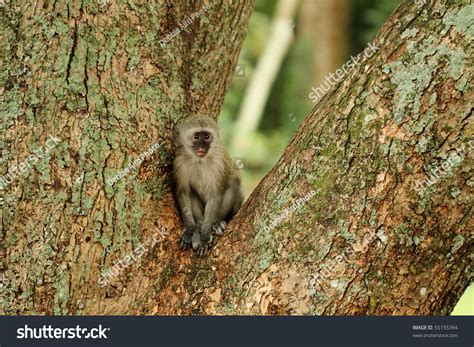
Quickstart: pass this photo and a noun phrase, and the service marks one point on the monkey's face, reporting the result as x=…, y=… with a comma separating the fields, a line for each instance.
x=201, y=141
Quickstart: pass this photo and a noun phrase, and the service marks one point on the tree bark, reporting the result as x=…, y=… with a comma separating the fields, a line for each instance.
x=363, y=241
x=109, y=79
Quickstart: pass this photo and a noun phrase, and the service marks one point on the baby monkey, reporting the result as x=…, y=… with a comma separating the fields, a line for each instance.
x=207, y=182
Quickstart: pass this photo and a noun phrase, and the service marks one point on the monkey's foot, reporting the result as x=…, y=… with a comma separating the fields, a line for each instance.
x=185, y=242
x=219, y=227
x=204, y=244
x=196, y=240
x=186, y=238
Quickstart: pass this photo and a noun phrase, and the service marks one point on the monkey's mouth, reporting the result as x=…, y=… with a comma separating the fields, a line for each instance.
x=201, y=153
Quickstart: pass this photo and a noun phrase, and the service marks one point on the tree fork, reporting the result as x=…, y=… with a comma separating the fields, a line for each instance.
x=365, y=243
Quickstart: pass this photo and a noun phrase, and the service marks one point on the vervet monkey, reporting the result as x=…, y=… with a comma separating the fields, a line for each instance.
x=207, y=182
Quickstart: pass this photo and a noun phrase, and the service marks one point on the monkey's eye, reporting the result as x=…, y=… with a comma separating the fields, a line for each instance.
x=196, y=137
x=206, y=137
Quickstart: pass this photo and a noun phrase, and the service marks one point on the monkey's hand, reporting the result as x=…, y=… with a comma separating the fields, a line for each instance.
x=187, y=236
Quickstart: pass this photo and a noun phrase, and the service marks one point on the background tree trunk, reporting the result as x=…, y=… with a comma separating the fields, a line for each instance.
x=324, y=22
x=390, y=122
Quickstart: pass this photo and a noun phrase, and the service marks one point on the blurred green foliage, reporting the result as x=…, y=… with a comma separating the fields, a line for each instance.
x=288, y=103
x=290, y=92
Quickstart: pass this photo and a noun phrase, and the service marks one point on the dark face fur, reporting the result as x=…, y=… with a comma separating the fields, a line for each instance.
x=201, y=142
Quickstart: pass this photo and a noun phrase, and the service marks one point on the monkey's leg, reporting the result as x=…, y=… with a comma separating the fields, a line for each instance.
x=197, y=207
x=231, y=203
x=198, y=214
x=211, y=214
x=185, y=205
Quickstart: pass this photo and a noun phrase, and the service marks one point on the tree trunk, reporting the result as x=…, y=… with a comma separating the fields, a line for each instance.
x=107, y=80
x=362, y=240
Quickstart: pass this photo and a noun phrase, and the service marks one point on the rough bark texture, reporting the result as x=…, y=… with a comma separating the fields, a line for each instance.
x=392, y=119
x=94, y=74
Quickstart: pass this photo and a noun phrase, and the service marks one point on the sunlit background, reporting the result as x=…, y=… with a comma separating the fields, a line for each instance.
x=290, y=47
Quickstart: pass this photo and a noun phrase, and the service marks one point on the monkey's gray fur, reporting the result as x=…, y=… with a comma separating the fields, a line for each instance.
x=207, y=182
